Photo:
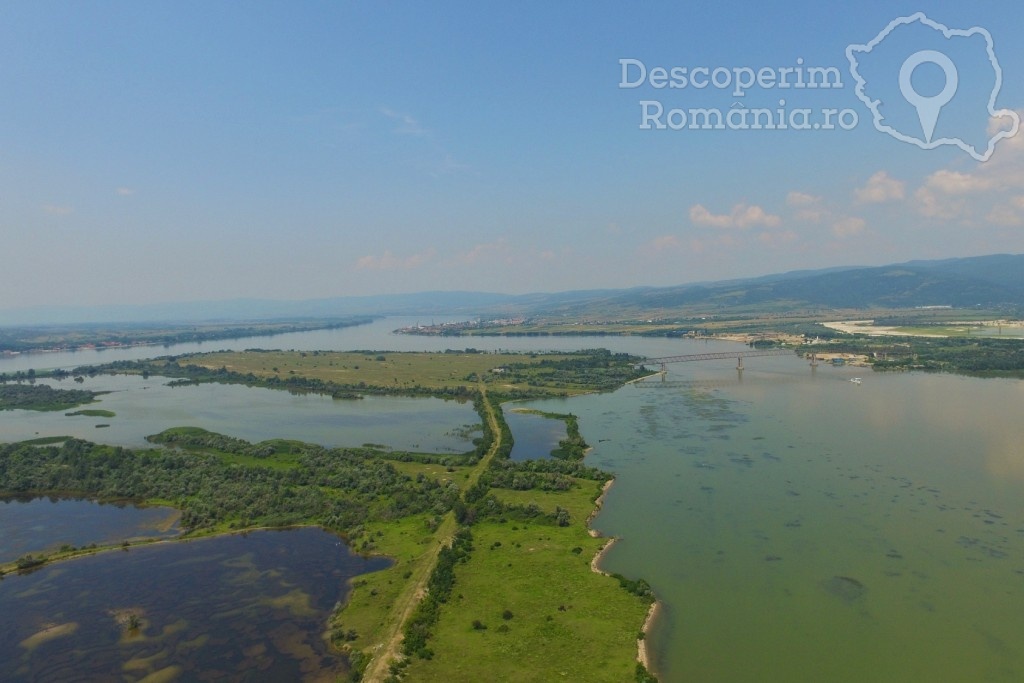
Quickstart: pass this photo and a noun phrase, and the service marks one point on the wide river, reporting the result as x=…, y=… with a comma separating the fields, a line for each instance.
x=795, y=525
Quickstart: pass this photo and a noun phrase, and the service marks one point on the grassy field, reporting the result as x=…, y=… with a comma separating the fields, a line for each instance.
x=579, y=502
x=528, y=607
x=373, y=611
x=389, y=370
x=455, y=473
x=526, y=604
x=964, y=330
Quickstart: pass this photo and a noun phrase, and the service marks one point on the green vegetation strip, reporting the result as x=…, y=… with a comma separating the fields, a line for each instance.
x=42, y=397
x=92, y=412
x=454, y=374
x=979, y=357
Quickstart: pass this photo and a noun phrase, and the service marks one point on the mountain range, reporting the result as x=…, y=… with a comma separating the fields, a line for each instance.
x=994, y=281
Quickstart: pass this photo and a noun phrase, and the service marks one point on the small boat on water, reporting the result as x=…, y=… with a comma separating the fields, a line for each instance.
x=855, y=380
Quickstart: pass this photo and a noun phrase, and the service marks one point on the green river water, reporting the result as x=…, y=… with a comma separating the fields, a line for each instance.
x=800, y=527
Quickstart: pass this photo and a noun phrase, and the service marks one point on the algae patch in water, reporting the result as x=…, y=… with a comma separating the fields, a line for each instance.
x=845, y=588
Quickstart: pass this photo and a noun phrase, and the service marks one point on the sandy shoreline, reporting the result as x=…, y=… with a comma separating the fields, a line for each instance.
x=645, y=377
x=598, y=504
x=643, y=654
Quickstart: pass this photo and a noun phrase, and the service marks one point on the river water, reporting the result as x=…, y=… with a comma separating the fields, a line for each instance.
x=795, y=525
x=800, y=527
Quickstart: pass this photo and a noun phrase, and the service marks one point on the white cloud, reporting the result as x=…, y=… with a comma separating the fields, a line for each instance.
x=933, y=205
x=777, y=238
x=388, y=261
x=851, y=226
x=988, y=189
x=487, y=251
x=880, y=188
x=742, y=216
x=125, y=191
x=1010, y=213
x=665, y=242
x=659, y=245
x=997, y=124
x=952, y=182
x=801, y=199
x=808, y=207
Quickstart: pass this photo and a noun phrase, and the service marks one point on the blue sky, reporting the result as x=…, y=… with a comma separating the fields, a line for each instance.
x=154, y=152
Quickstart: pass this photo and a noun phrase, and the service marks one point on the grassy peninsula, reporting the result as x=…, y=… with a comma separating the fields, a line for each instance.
x=491, y=556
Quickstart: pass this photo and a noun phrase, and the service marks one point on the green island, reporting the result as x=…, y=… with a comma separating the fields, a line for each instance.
x=19, y=396
x=488, y=553
x=92, y=412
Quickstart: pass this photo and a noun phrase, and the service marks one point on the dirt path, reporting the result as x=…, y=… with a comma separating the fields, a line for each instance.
x=390, y=650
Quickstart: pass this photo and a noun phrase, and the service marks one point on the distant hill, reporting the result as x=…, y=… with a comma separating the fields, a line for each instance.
x=421, y=303
x=979, y=281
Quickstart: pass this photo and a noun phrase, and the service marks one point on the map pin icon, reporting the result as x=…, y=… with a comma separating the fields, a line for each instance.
x=928, y=108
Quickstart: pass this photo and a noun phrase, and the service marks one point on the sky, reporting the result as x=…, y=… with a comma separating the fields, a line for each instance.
x=189, y=151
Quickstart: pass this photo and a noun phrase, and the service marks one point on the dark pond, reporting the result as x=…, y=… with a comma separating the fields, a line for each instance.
x=32, y=525
x=533, y=436
x=247, y=607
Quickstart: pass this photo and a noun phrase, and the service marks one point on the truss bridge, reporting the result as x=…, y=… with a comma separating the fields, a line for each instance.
x=739, y=355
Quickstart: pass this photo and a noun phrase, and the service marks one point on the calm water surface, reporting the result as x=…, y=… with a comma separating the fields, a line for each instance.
x=534, y=436
x=248, y=608
x=799, y=527
x=31, y=525
x=149, y=406
x=375, y=336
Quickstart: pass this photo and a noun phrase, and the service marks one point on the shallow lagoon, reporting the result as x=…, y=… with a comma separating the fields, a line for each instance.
x=148, y=406
x=32, y=525
x=533, y=436
x=244, y=607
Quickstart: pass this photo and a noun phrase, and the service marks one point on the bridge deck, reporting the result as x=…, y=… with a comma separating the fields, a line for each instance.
x=718, y=356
